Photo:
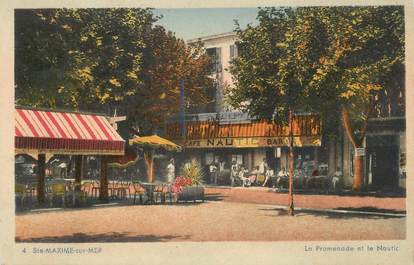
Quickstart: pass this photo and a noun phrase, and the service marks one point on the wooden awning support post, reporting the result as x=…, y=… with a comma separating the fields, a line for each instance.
x=41, y=165
x=78, y=177
x=103, y=193
x=78, y=172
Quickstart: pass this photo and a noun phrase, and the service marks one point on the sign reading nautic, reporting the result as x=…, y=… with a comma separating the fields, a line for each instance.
x=246, y=142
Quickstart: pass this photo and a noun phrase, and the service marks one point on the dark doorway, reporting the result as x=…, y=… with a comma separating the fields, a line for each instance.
x=272, y=160
x=384, y=165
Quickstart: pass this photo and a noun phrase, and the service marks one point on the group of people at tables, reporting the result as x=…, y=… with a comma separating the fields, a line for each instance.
x=263, y=175
x=241, y=176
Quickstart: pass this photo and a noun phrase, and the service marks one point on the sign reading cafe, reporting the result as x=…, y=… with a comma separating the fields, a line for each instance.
x=245, y=142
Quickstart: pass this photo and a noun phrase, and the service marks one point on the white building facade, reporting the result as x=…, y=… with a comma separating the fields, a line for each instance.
x=222, y=49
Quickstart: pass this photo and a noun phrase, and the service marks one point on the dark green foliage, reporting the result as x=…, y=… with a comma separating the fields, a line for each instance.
x=321, y=59
x=105, y=59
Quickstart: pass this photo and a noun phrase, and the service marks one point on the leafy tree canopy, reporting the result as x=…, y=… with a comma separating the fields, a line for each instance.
x=320, y=59
x=102, y=59
x=166, y=62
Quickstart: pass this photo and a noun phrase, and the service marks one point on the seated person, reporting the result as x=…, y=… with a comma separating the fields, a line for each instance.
x=281, y=177
x=299, y=180
x=316, y=181
x=242, y=176
x=253, y=175
x=269, y=176
x=315, y=173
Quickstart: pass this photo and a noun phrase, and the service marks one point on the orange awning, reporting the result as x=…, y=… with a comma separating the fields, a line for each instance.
x=202, y=134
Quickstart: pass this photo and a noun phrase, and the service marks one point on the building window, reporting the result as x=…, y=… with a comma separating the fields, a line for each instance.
x=209, y=158
x=238, y=158
x=233, y=51
x=215, y=55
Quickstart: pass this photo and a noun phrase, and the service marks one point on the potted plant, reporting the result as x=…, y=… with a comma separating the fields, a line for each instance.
x=188, y=186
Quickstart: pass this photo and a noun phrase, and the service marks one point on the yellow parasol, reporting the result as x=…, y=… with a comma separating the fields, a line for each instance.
x=154, y=141
x=149, y=143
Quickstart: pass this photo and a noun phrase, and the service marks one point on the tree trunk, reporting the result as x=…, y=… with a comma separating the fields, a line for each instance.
x=103, y=192
x=358, y=172
x=41, y=168
x=149, y=161
x=356, y=143
x=291, y=157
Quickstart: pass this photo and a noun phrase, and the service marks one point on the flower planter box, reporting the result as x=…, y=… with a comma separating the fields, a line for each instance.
x=191, y=193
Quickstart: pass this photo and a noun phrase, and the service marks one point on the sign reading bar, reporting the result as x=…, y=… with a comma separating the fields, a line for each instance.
x=246, y=142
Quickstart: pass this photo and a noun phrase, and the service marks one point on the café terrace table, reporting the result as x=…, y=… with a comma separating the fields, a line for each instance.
x=71, y=189
x=149, y=190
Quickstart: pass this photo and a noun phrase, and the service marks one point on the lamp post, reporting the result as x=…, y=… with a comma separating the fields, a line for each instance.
x=182, y=101
x=291, y=206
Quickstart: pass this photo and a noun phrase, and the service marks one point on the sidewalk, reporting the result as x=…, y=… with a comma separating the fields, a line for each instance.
x=262, y=195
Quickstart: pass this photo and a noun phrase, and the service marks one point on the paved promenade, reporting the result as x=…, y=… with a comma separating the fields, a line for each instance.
x=261, y=195
x=227, y=215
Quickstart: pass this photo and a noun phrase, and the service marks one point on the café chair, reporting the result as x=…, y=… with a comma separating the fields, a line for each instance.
x=95, y=189
x=113, y=189
x=158, y=193
x=139, y=191
x=121, y=190
x=20, y=192
x=57, y=190
x=162, y=191
x=86, y=190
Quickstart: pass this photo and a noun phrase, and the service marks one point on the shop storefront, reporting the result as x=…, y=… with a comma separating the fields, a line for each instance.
x=221, y=141
x=385, y=154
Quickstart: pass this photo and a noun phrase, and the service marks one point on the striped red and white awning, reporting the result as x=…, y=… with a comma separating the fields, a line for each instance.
x=65, y=133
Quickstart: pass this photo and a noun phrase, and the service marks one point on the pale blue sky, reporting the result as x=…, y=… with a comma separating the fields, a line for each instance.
x=189, y=23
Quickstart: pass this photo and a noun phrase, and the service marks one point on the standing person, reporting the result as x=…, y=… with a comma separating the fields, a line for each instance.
x=336, y=179
x=222, y=165
x=213, y=173
x=262, y=170
x=171, y=171
x=223, y=173
x=263, y=167
x=234, y=172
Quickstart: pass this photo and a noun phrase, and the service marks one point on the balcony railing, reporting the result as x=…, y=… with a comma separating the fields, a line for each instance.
x=223, y=117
